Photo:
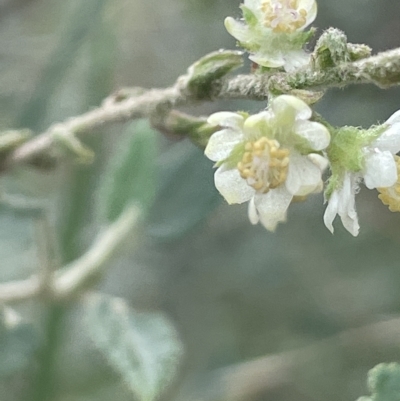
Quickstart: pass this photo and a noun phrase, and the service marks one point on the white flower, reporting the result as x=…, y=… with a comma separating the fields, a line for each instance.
x=378, y=170
x=268, y=158
x=272, y=31
x=390, y=196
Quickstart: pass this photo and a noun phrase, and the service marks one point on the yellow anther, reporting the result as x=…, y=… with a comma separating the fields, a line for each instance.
x=390, y=196
x=264, y=164
x=283, y=16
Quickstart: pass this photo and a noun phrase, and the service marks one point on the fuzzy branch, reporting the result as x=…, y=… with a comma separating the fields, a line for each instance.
x=69, y=280
x=206, y=80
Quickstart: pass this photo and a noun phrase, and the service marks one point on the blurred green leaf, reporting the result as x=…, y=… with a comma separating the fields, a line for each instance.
x=17, y=252
x=18, y=342
x=130, y=177
x=82, y=19
x=186, y=193
x=384, y=383
x=142, y=347
x=78, y=195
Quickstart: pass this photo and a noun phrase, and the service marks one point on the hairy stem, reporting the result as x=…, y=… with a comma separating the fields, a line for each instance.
x=382, y=70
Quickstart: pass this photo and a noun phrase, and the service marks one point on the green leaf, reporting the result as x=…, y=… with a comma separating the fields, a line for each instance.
x=203, y=73
x=18, y=342
x=384, y=383
x=130, y=176
x=142, y=347
x=83, y=18
x=186, y=194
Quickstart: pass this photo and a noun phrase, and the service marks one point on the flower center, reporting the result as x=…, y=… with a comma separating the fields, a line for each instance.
x=264, y=164
x=390, y=196
x=283, y=16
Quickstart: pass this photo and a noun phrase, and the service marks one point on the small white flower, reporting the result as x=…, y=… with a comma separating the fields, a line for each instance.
x=268, y=158
x=390, y=196
x=272, y=31
x=378, y=170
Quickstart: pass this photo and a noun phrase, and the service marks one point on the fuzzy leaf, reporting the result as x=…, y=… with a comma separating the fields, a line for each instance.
x=204, y=72
x=142, y=347
x=130, y=176
x=384, y=383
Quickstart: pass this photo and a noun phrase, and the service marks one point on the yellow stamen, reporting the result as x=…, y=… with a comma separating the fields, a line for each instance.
x=264, y=164
x=283, y=16
x=390, y=196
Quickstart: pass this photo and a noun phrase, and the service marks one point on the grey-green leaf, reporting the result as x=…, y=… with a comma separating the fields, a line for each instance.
x=18, y=342
x=384, y=383
x=143, y=348
x=202, y=75
x=130, y=176
x=186, y=192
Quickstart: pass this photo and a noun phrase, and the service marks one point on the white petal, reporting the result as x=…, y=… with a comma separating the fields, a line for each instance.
x=380, y=169
x=238, y=30
x=303, y=175
x=347, y=209
x=226, y=119
x=389, y=139
x=272, y=207
x=266, y=59
x=221, y=143
x=252, y=212
x=256, y=125
x=331, y=211
x=311, y=7
x=280, y=103
x=394, y=118
x=232, y=186
x=342, y=202
x=252, y=4
x=295, y=59
x=320, y=161
x=316, y=134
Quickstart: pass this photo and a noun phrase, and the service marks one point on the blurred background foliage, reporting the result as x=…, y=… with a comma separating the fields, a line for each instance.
x=234, y=292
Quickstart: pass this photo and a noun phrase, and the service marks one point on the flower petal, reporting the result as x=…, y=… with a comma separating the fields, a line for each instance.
x=311, y=7
x=394, y=118
x=268, y=59
x=238, y=30
x=252, y=4
x=232, y=186
x=380, y=169
x=342, y=202
x=331, y=211
x=272, y=206
x=316, y=134
x=226, y=119
x=389, y=139
x=320, y=161
x=257, y=125
x=303, y=175
x=252, y=212
x=221, y=143
x=284, y=102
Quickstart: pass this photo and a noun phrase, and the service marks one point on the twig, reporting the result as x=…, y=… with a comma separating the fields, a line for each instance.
x=382, y=70
x=77, y=274
x=246, y=380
